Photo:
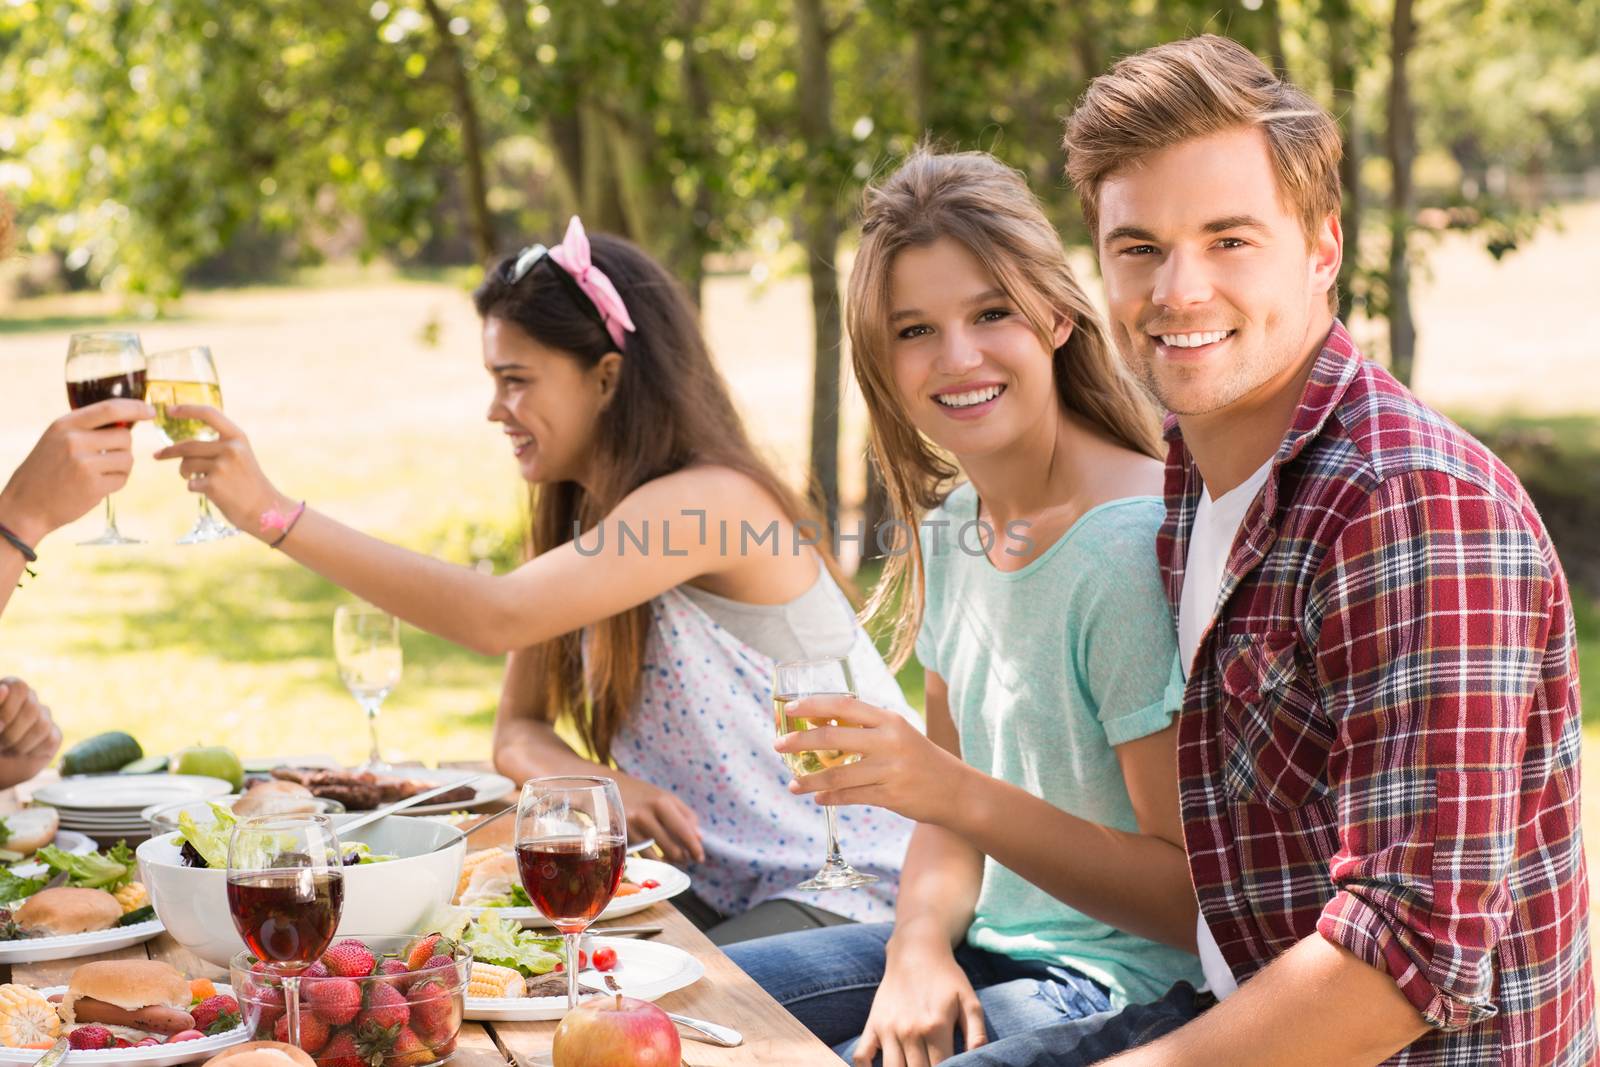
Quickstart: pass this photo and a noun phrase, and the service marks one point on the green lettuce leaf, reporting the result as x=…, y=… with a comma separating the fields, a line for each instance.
x=13, y=889
x=494, y=940
x=109, y=870
x=210, y=840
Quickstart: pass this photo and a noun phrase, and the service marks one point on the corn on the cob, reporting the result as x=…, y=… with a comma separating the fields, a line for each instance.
x=471, y=860
x=491, y=980
x=26, y=1017
x=132, y=897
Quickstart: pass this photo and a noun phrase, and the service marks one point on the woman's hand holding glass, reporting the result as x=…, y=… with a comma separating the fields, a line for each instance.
x=898, y=768
x=226, y=471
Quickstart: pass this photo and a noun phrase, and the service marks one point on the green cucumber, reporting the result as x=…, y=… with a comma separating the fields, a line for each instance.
x=101, y=754
x=147, y=765
x=139, y=915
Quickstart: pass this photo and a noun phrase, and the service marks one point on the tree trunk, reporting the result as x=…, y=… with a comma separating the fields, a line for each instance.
x=1402, y=209
x=695, y=237
x=922, y=63
x=484, y=242
x=1276, y=57
x=1342, y=75
x=820, y=226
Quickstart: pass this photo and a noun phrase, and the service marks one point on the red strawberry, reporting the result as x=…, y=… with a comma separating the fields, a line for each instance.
x=442, y=962
x=386, y=1008
x=446, y=1048
x=421, y=952
x=145, y=1042
x=433, y=1011
x=316, y=970
x=185, y=1035
x=334, y=1000
x=409, y=1051
x=341, y=1052
x=394, y=967
x=220, y=1009
x=313, y=1031
x=122, y=1042
x=92, y=1036
x=263, y=1005
x=349, y=959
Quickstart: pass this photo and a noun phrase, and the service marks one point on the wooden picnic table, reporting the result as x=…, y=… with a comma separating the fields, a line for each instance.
x=724, y=995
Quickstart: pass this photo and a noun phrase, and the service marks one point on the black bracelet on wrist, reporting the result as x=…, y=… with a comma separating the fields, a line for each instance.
x=19, y=544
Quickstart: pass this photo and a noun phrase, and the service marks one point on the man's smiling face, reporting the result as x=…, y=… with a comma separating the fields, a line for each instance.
x=1214, y=291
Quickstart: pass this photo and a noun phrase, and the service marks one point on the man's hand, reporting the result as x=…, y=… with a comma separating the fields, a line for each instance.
x=83, y=456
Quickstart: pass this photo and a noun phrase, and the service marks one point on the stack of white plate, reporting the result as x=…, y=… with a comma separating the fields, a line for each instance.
x=108, y=806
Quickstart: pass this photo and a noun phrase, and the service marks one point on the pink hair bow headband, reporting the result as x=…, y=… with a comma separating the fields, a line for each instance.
x=572, y=256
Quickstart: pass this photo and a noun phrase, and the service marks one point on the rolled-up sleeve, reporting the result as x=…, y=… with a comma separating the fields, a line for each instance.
x=1434, y=608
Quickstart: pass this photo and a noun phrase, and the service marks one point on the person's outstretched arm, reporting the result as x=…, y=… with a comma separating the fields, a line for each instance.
x=659, y=536
x=80, y=458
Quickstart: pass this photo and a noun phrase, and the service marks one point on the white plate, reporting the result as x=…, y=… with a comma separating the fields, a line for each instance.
x=68, y=841
x=149, y=1056
x=644, y=970
x=126, y=793
x=66, y=946
x=488, y=787
x=673, y=882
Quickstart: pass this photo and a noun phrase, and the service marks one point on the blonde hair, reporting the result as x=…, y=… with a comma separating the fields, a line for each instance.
x=974, y=199
x=1193, y=88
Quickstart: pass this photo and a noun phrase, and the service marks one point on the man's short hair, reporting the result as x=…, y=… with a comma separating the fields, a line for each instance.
x=1193, y=88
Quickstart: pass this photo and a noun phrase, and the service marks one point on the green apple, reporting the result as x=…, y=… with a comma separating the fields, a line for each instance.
x=213, y=761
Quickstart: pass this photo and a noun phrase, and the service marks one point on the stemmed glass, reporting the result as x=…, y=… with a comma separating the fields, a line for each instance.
x=105, y=366
x=571, y=839
x=817, y=677
x=187, y=376
x=366, y=643
x=285, y=893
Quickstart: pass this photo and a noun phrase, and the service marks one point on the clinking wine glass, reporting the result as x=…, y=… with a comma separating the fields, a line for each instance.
x=366, y=644
x=817, y=677
x=571, y=842
x=285, y=893
x=106, y=365
x=187, y=376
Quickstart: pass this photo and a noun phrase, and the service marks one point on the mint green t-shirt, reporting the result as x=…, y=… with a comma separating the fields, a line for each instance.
x=1049, y=667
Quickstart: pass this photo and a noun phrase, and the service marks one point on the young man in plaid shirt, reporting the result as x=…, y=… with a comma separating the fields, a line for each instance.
x=1378, y=749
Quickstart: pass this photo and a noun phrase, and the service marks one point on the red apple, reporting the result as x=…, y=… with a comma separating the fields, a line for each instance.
x=616, y=1031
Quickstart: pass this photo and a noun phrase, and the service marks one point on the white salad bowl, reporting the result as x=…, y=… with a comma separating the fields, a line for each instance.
x=391, y=897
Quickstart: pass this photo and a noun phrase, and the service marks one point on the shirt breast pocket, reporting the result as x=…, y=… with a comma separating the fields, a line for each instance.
x=1275, y=738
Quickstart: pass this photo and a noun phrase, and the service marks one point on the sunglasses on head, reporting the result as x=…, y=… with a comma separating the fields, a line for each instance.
x=531, y=257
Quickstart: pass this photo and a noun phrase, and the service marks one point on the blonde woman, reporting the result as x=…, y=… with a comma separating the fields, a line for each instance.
x=1046, y=877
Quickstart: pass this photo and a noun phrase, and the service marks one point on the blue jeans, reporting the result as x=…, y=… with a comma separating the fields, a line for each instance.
x=827, y=978
x=1080, y=1042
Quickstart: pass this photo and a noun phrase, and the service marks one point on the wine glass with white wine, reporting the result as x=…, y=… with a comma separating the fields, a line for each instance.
x=187, y=376
x=791, y=681
x=366, y=643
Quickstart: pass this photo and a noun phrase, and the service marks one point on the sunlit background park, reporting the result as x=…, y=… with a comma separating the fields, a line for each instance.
x=310, y=189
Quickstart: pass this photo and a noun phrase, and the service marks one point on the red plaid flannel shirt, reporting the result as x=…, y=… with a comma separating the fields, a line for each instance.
x=1379, y=737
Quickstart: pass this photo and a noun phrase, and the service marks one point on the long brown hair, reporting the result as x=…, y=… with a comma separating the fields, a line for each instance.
x=972, y=198
x=670, y=409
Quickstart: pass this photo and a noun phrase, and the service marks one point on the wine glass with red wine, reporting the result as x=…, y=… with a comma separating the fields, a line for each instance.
x=572, y=836
x=285, y=893
x=105, y=366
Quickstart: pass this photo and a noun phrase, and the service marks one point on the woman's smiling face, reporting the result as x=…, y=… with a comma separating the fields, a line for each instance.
x=545, y=400
x=969, y=368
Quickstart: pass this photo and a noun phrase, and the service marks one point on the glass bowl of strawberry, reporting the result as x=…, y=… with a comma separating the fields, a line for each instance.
x=381, y=1000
